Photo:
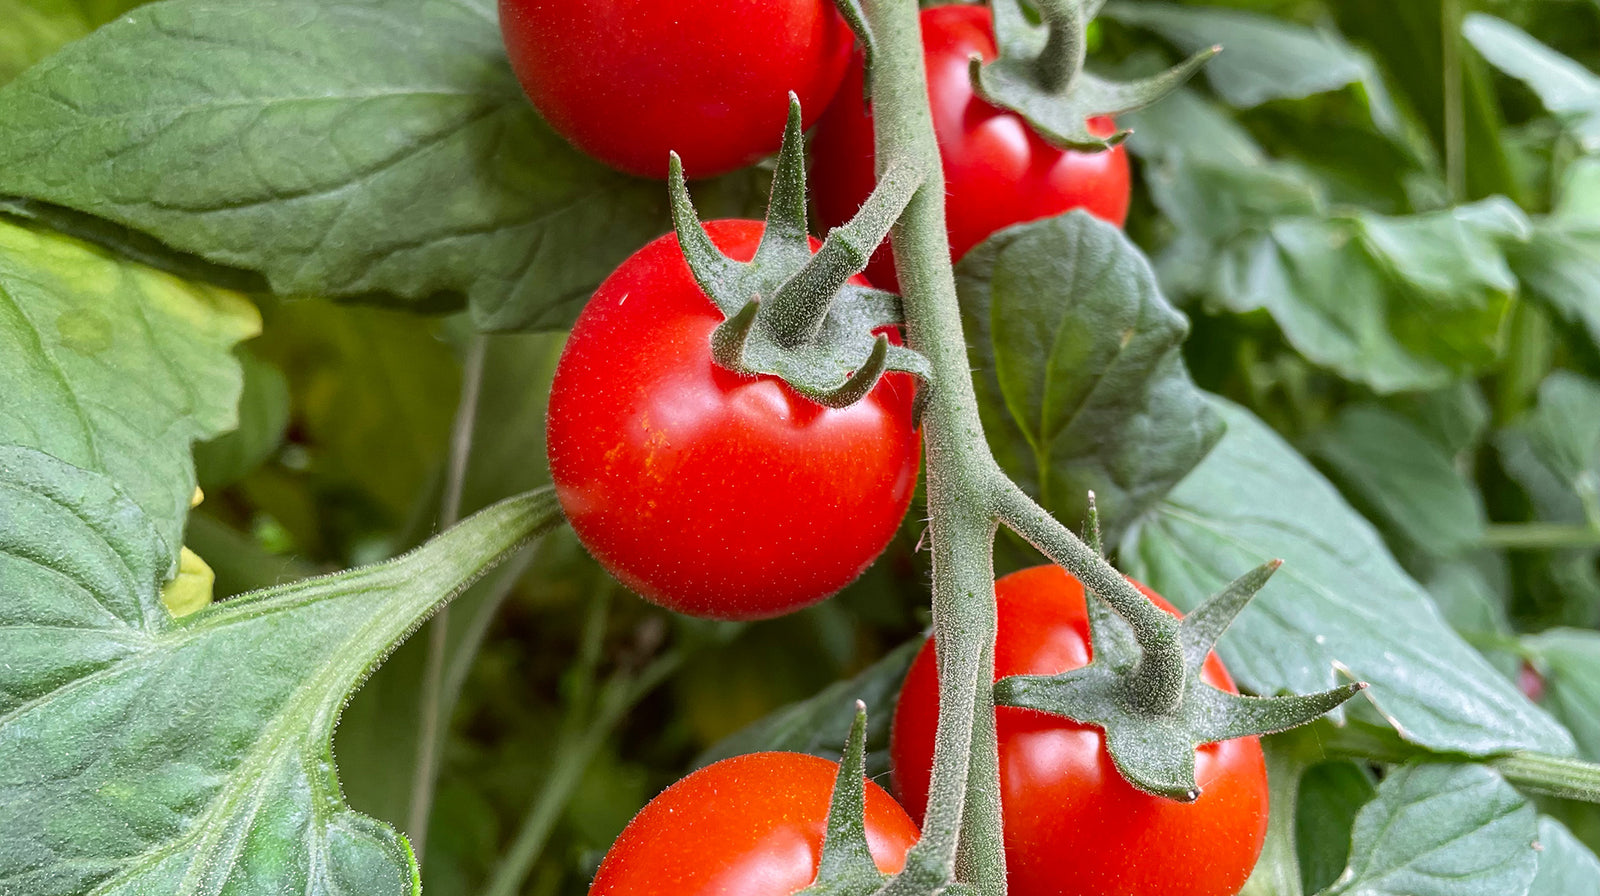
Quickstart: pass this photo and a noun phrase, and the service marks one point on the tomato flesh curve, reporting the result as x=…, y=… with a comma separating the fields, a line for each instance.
x=708, y=492
x=1073, y=825
x=751, y=825
x=997, y=171
x=628, y=80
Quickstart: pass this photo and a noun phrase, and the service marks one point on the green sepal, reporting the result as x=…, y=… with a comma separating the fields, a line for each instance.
x=795, y=315
x=1155, y=752
x=846, y=867
x=856, y=18
x=1039, y=74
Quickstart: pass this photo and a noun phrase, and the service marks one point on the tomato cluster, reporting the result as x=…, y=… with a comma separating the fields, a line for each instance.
x=719, y=493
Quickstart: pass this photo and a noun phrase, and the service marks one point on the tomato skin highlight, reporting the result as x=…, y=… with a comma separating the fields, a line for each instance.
x=627, y=81
x=997, y=171
x=1073, y=825
x=704, y=491
x=751, y=825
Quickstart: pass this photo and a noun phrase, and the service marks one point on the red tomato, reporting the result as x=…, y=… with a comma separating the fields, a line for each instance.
x=751, y=825
x=1073, y=825
x=708, y=492
x=997, y=171
x=629, y=80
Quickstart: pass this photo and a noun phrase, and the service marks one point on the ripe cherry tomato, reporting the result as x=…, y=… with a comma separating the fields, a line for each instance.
x=705, y=491
x=629, y=80
x=1073, y=825
x=997, y=171
x=752, y=825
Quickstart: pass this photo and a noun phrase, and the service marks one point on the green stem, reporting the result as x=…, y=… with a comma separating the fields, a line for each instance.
x=959, y=471
x=1571, y=779
x=1277, y=871
x=1540, y=536
x=1159, y=679
x=968, y=494
x=976, y=859
x=1064, y=49
x=795, y=315
x=1455, y=132
x=432, y=712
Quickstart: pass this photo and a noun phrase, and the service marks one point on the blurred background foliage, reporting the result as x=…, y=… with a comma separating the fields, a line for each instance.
x=1383, y=220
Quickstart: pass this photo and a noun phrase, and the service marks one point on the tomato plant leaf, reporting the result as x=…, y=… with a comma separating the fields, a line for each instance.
x=1403, y=479
x=1399, y=302
x=292, y=138
x=1331, y=795
x=1340, y=602
x=1554, y=451
x=114, y=367
x=1560, y=266
x=1441, y=830
x=1263, y=58
x=1565, y=87
x=143, y=754
x=1569, y=660
x=36, y=28
x=263, y=420
x=1078, y=362
x=1566, y=866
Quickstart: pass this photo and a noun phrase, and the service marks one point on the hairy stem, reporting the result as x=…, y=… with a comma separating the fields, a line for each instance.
x=1571, y=779
x=1064, y=49
x=1559, y=776
x=1159, y=680
x=959, y=469
x=432, y=716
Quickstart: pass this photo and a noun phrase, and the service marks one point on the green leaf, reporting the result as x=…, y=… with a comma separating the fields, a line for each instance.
x=1396, y=303
x=1442, y=830
x=263, y=419
x=142, y=754
x=294, y=138
x=1331, y=795
x=36, y=28
x=1078, y=362
x=1569, y=660
x=1566, y=866
x=1405, y=480
x=116, y=368
x=1560, y=266
x=1340, y=602
x=1554, y=450
x=1565, y=87
x=819, y=724
x=1263, y=58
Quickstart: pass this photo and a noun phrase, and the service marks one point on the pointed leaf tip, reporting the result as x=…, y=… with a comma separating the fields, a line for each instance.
x=1201, y=628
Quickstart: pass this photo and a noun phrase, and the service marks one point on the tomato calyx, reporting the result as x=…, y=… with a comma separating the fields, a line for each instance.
x=1153, y=749
x=846, y=867
x=794, y=315
x=1039, y=74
